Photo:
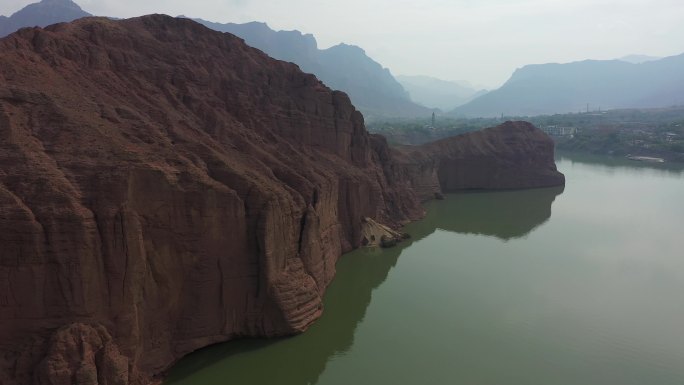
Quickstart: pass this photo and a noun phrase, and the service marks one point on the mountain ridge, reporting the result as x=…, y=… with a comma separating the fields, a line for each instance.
x=638, y=59
x=372, y=88
x=539, y=89
x=41, y=14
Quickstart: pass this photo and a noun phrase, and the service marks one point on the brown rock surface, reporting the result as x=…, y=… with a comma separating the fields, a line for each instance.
x=172, y=185
x=164, y=187
x=513, y=155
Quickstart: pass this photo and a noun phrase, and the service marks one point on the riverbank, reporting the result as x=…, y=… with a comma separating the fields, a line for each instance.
x=531, y=286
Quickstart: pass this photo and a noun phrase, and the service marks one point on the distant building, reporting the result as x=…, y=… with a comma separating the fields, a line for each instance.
x=560, y=131
x=670, y=136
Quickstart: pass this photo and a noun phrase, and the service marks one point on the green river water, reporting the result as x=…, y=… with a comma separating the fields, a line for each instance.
x=576, y=286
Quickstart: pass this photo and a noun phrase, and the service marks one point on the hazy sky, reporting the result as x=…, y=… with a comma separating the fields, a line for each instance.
x=482, y=41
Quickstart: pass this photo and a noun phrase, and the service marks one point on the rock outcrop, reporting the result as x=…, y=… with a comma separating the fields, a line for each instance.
x=513, y=155
x=164, y=187
x=375, y=233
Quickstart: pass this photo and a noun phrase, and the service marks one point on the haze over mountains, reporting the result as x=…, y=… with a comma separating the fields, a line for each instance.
x=436, y=93
x=561, y=88
x=638, y=59
x=372, y=88
x=630, y=81
x=41, y=14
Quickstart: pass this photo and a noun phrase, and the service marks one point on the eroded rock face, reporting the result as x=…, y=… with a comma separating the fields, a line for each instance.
x=164, y=187
x=513, y=155
x=173, y=186
x=80, y=354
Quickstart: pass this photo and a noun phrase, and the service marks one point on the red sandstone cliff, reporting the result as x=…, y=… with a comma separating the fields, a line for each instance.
x=164, y=187
x=512, y=155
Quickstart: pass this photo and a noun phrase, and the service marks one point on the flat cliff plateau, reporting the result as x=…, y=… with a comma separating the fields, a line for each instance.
x=164, y=187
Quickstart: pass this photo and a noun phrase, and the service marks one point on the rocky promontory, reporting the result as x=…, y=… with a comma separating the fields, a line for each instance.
x=513, y=155
x=164, y=187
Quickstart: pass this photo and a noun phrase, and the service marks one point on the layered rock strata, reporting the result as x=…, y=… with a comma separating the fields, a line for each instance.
x=164, y=187
x=513, y=155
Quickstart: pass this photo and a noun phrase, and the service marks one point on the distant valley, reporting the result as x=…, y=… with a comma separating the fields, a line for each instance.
x=436, y=93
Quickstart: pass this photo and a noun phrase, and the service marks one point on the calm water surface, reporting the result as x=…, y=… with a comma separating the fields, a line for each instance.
x=577, y=286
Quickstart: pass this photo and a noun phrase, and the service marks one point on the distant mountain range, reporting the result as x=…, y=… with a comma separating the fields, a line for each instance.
x=41, y=14
x=560, y=88
x=372, y=88
x=631, y=81
x=436, y=93
x=638, y=59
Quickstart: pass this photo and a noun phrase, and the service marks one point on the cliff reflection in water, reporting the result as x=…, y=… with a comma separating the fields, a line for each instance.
x=505, y=215
x=301, y=359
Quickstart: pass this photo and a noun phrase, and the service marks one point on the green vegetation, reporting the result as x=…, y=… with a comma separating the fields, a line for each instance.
x=643, y=132
x=654, y=132
x=419, y=131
